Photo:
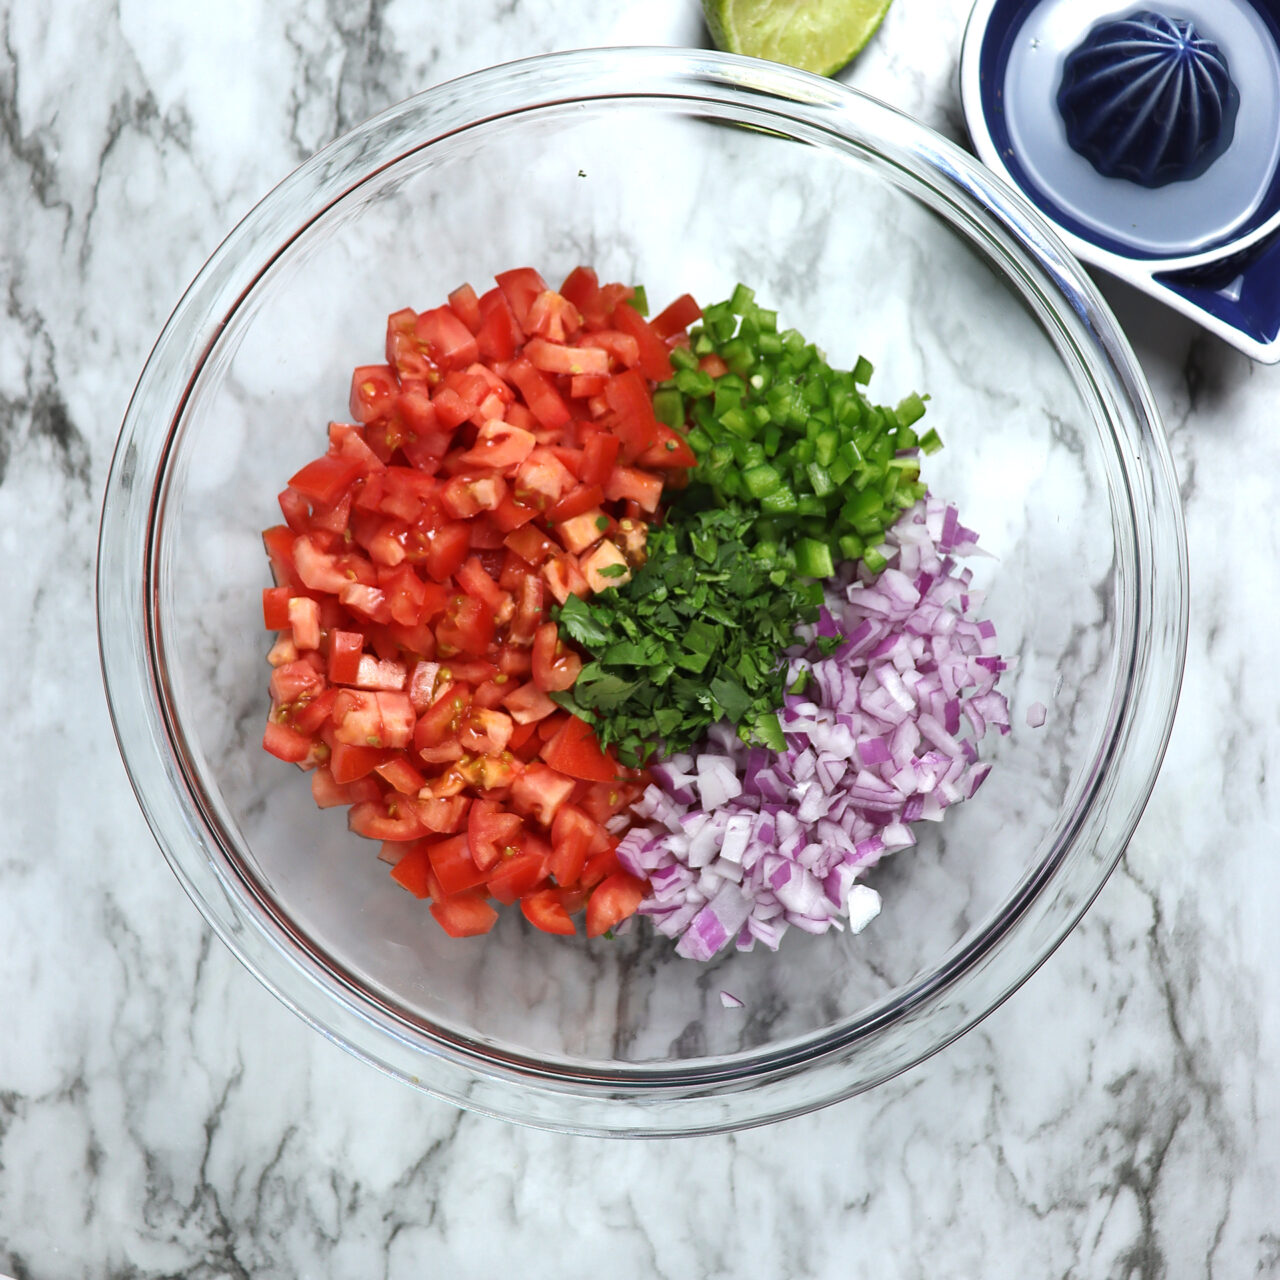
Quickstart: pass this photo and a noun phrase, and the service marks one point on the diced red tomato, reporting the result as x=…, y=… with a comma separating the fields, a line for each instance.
x=503, y=458
x=676, y=317
x=545, y=910
x=539, y=393
x=366, y=719
x=521, y=288
x=413, y=870
x=499, y=445
x=528, y=703
x=286, y=743
x=454, y=867
x=349, y=762
x=473, y=579
x=491, y=829
x=574, y=836
x=466, y=306
x=325, y=479
x=529, y=605
x=485, y=732
x=612, y=901
x=530, y=544
x=373, y=392
x=599, y=453
x=387, y=821
x=579, y=532
x=655, y=361
x=449, y=343
x=464, y=915
x=627, y=484
x=445, y=814
x=467, y=627
x=329, y=793
x=540, y=791
x=379, y=673
x=670, y=449
x=499, y=335
x=564, y=578
x=556, y=357
x=345, y=648
x=586, y=497
x=446, y=550
x=275, y=608
x=576, y=752
x=553, y=316
x=402, y=776
x=580, y=286
x=520, y=874
x=555, y=665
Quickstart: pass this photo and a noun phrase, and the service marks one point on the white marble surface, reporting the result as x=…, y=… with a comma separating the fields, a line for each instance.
x=161, y=1115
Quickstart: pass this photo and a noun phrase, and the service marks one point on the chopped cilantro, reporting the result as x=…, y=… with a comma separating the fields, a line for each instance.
x=697, y=635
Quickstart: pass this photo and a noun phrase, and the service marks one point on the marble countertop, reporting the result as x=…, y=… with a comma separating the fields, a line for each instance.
x=162, y=1115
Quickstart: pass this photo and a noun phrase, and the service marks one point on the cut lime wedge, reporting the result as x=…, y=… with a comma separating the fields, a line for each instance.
x=814, y=35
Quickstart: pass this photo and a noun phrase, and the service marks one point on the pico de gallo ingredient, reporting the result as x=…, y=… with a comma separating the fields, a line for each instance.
x=504, y=458
x=738, y=844
x=795, y=472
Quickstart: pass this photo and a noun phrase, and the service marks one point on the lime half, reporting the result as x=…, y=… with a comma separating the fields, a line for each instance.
x=814, y=35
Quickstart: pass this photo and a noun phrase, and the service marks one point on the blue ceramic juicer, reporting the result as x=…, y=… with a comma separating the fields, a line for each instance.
x=1150, y=135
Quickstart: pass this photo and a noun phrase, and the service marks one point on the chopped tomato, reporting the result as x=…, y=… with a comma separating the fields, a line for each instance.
x=627, y=484
x=286, y=743
x=387, y=821
x=329, y=793
x=491, y=829
x=669, y=450
x=275, y=607
x=539, y=393
x=464, y=915
x=373, y=392
x=612, y=901
x=528, y=703
x=655, y=361
x=350, y=763
x=519, y=874
x=454, y=867
x=555, y=665
x=345, y=648
x=325, y=479
x=521, y=288
x=545, y=910
x=599, y=454
x=539, y=792
x=503, y=458
x=500, y=445
x=449, y=343
x=576, y=752
x=466, y=306
x=676, y=317
x=498, y=335
x=413, y=871
x=467, y=627
x=445, y=552
x=401, y=775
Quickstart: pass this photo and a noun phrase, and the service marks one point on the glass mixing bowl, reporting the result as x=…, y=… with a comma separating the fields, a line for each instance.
x=684, y=171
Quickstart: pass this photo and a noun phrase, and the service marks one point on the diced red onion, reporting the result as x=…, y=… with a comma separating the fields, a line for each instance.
x=884, y=736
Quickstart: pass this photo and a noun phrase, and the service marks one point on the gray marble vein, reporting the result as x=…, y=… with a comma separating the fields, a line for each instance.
x=162, y=1115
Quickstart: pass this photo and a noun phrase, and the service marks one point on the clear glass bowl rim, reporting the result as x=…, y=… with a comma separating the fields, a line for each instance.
x=703, y=1095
